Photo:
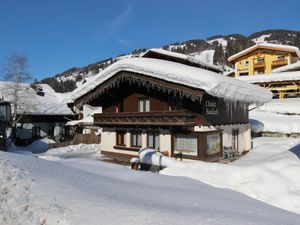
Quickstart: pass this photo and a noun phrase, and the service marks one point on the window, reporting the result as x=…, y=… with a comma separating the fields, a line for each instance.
x=153, y=140
x=36, y=131
x=187, y=144
x=213, y=144
x=136, y=139
x=280, y=57
x=121, y=138
x=260, y=60
x=246, y=63
x=120, y=107
x=143, y=105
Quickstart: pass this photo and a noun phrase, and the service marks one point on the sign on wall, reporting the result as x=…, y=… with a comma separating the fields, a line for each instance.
x=211, y=107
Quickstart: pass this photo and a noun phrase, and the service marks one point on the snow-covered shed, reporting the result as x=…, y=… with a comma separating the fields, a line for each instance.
x=169, y=106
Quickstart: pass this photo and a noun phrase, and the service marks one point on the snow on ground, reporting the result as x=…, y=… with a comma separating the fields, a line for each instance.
x=269, y=173
x=91, y=151
x=84, y=191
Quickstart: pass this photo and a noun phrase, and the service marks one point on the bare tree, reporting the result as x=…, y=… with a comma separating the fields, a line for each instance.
x=17, y=90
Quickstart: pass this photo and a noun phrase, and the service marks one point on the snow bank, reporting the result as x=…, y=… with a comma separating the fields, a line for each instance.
x=77, y=191
x=213, y=83
x=37, y=146
x=90, y=151
x=19, y=199
x=268, y=173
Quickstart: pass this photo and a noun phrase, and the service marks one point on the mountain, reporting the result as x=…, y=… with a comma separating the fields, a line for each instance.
x=214, y=50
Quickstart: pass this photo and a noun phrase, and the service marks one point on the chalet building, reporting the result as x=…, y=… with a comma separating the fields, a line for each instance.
x=259, y=63
x=263, y=59
x=168, y=105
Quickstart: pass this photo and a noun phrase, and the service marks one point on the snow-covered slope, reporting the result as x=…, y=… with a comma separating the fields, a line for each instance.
x=78, y=191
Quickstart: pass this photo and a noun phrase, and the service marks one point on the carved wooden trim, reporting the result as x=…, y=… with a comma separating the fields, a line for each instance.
x=141, y=81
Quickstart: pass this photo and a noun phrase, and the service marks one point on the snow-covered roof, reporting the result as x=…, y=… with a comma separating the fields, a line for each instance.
x=189, y=58
x=214, y=84
x=85, y=121
x=290, y=67
x=51, y=103
x=287, y=48
x=273, y=77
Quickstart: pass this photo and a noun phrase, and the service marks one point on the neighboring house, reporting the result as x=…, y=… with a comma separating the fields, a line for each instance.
x=168, y=106
x=269, y=66
x=158, y=53
x=263, y=59
x=39, y=115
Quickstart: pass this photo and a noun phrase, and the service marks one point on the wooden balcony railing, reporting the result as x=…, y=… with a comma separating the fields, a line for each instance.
x=280, y=62
x=259, y=64
x=165, y=118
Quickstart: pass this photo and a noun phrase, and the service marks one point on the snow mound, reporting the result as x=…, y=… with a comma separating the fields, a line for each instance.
x=91, y=151
x=17, y=204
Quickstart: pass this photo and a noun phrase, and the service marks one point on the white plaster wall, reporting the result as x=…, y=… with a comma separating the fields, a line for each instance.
x=244, y=137
x=108, y=139
x=144, y=139
x=165, y=141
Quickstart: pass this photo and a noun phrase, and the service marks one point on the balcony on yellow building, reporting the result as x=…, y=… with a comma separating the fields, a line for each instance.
x=259, y=64
x=280, y=62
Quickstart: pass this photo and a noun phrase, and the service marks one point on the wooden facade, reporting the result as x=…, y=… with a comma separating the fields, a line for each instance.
x=140, y=109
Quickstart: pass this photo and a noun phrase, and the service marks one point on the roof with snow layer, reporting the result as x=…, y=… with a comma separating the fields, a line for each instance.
x=180, y=56
x=214, y=84
x=273, y=77
x=286, y=48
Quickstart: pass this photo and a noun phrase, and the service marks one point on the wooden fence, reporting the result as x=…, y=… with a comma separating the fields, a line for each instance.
x=91, y=138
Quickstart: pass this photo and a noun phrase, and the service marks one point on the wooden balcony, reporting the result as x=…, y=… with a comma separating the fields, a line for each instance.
x=165, y=118
x=280, y=62
x=259, y=64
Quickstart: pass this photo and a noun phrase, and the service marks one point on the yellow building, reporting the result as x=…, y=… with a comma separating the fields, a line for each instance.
x=263, y=58
x=267, y=65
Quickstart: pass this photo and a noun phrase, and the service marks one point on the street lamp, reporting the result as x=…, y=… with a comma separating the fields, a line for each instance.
x=5, y=119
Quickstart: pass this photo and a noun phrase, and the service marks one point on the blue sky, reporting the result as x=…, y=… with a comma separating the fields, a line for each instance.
x=58, y=34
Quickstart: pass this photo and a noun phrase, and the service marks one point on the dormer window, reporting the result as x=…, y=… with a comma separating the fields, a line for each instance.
x=143, y=105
